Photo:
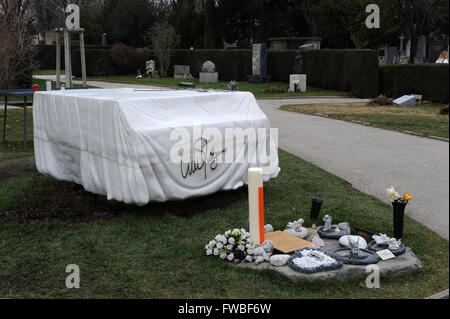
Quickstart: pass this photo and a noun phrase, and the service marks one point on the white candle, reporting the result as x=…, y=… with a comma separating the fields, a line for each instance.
x=256, y=204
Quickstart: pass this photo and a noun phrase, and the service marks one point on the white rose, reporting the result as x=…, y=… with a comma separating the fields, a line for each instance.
x=230, y=257
x=249, y=258
x=219, y=245
x=229, y=247
x=392, y=193
x=216, y=252
x=231, y=240
x=241, y=247
x=224, y=239
x=208, y=252
x=223, y=256
x=212, y=243
x=247, y=246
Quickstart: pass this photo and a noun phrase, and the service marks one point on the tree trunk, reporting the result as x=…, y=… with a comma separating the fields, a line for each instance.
x=209, y=31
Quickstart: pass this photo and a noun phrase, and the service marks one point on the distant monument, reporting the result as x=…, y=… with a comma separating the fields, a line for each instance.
x=297, y=81
x=209, y=74
x=259, y=64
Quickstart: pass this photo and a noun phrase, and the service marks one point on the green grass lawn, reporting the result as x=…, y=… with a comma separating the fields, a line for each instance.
x=256, y=89
x=424, y=119
x=157, y=251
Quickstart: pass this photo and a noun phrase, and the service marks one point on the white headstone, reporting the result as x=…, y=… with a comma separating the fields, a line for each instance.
x=406, y=100
x=299, y=81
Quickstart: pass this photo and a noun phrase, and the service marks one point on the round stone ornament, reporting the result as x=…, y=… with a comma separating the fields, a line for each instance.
x=344, y=241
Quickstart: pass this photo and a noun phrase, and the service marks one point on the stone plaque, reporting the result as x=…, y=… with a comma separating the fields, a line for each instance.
x=259, y=59
x=181, y=69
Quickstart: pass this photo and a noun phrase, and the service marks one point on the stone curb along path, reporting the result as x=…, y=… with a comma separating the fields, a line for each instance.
x=403, y=264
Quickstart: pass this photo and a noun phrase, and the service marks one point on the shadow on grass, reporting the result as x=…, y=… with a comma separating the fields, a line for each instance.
x=45, y=199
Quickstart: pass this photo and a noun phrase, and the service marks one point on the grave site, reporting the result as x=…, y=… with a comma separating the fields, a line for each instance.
x=168, y=171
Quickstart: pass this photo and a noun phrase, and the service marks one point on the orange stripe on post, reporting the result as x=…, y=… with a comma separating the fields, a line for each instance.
x=261, y=213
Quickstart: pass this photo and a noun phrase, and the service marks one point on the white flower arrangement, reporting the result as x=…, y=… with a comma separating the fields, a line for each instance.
x=396, y=197
x=233, y=244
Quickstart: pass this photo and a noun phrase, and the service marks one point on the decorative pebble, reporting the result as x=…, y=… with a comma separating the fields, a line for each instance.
x=268, y=228
x=279, y=260
x=318, y=242
x=268, y=246
x=344, y=241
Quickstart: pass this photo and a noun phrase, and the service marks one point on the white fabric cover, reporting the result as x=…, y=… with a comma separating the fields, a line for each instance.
x=117, y=142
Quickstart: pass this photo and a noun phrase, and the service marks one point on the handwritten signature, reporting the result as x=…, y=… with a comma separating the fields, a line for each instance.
x=208, y=158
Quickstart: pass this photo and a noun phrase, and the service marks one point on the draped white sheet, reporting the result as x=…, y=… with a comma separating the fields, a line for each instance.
x=117, y=142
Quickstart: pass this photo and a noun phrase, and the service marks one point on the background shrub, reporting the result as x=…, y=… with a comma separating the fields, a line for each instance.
x=354, y=71
x=429, y=80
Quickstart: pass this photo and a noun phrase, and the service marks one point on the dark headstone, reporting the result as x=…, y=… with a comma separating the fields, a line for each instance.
x=298, y=67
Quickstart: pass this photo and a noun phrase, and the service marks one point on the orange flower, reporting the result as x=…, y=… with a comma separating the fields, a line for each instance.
x=407, y=197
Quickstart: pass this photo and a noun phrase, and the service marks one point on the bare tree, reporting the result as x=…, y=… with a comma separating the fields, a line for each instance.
x=16, y=48
x=164, y=40
x=50, y=14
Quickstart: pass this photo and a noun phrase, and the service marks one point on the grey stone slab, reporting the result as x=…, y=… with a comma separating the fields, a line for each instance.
x=181, y=69
x=404, y=264
x=259, y=59
x=207, y=77
x=406, y=100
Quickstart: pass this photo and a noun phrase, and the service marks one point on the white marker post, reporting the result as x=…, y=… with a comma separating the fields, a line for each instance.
x=256, y=204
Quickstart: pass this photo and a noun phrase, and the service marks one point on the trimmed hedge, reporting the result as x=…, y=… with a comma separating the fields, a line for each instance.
x=429, y=80
x=354, y=71
x=46, y=55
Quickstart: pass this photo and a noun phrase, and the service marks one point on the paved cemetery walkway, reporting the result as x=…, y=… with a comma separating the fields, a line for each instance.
x=371, y=159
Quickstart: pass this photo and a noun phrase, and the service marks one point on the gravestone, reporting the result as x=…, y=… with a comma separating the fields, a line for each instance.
x=298, y=67
x=259, y=64
x=421, y=51
x=104, y=39
x=182, y=71
x=435, y=48
x=406, y=100
x=297, y=83
x=209, y=74
x=390, y=55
